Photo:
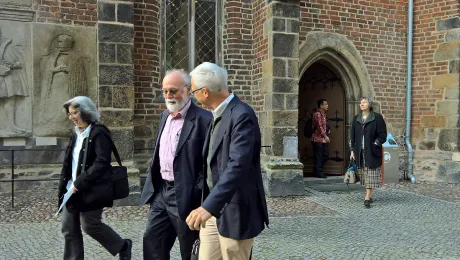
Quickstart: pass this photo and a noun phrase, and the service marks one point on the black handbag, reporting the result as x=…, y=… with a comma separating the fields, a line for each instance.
x=119, y=177
x=114, y=187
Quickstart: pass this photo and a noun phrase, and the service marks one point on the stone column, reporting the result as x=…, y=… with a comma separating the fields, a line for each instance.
x=283, y=170
x=116, y=73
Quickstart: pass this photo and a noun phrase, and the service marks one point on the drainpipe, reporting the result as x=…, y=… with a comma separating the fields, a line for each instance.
x=410, y=29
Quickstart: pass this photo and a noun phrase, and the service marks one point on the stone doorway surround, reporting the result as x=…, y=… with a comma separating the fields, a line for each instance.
x=283, y=174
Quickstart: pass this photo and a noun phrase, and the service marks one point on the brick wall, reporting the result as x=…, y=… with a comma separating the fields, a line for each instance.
x=260, y=51
x=238, y=47
x=147, y=82
x=378, y=30
x=73, y=12
x=427, y=40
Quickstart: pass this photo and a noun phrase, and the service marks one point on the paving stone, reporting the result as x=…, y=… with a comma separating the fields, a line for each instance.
x=406, y=221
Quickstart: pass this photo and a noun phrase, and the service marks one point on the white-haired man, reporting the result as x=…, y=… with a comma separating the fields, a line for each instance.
x=174, y=181
x=234, y=211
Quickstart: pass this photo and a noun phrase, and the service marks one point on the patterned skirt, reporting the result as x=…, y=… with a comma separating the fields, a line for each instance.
x=371, y=178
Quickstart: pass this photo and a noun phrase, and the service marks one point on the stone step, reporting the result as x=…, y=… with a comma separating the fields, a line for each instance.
x=314, y=181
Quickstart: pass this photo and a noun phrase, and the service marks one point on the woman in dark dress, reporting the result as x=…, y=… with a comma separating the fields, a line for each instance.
x=368, y=133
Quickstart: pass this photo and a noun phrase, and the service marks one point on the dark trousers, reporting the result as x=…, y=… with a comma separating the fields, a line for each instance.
x=90, y=222
x=164, y=225
x=320, y=155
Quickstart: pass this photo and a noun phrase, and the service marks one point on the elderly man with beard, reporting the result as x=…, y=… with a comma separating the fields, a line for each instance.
x=175, y=177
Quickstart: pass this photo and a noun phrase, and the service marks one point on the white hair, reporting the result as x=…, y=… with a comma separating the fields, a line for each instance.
x=211, y=76
x=86, y=107
x=183, y=73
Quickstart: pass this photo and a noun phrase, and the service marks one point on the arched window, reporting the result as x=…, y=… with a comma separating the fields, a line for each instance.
x=191, y=33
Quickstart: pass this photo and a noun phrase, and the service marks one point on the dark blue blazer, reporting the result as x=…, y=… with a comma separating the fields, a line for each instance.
x=237, y=199
x=188, y=162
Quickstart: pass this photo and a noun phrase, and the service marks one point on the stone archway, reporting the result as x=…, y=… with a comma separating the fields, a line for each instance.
x=345, y=61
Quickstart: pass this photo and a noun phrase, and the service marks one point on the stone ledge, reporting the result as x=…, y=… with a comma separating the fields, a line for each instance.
x=282, y=176
x=280, y=183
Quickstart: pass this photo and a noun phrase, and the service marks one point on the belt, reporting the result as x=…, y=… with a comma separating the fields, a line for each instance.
x=168, y=183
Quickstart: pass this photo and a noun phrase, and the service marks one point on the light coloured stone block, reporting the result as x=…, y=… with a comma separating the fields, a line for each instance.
x=290, y=144
x=456, y=157
x=14, y=142
x=445, y=81
x=45, y=141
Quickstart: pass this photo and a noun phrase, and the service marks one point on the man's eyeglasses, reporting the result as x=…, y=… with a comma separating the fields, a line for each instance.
x=193, y=92
x=172, y=91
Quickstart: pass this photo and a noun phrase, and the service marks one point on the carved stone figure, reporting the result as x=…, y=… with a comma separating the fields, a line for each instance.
x=13, y=86
x=63, y=77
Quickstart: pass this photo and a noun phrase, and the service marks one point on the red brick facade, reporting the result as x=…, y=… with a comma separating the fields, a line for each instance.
x=73, y=12
x=260, y=51
x=147, y=80
x=378, y=30
x=238, y=46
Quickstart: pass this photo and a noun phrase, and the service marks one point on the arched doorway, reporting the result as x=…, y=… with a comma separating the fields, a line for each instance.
x=337, y=54
x=318, y=82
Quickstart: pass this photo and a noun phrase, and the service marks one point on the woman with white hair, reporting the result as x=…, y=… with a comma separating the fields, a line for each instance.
x=368, y=133
x=90, y=183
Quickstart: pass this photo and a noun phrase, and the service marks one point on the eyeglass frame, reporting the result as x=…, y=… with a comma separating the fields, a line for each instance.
x=173, y=91
x=73, y=114
x=198, y=89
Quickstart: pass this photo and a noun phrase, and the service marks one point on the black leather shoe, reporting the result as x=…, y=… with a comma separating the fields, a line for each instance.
x=125, y=253
x=322, y=176
x=367, y=203
x=371, y=200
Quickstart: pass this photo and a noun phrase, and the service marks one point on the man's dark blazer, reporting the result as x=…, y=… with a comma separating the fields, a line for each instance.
x=237, y=199
x=188, y=162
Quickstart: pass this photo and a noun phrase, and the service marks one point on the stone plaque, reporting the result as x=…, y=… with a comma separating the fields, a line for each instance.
x=16, y=10
x=27, y=3
x=290, y=146
x=15, y=78
x=65, y=66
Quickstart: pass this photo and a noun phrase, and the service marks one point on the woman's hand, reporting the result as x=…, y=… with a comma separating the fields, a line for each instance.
x=352, y=155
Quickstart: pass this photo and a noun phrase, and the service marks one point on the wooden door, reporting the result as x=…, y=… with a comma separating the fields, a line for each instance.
x=316, y=83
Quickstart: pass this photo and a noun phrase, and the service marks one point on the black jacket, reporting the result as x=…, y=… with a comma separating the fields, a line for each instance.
x=375, y=134
x=94, y=173
x=188, y=167
x=237, y=199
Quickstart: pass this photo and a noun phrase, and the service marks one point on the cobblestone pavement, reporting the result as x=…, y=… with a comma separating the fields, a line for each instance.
x=405, y=222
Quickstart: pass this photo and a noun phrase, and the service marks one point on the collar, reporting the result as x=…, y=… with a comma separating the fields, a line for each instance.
x=322, y=112
x=221, y=108
x=85, y=133
x=370, y=117
x=183, y=111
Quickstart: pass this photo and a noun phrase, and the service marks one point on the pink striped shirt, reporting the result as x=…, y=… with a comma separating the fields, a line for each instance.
x=169, y=140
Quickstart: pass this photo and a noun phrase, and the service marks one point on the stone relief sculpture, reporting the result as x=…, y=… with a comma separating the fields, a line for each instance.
x=62, y=77
x=13, y=87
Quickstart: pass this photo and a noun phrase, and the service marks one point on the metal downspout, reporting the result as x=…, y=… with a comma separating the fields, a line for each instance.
x=410, y=29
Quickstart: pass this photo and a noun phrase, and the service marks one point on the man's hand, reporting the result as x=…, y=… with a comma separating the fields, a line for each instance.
x=74, y=189
x=327, y=139
x=197, y=218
